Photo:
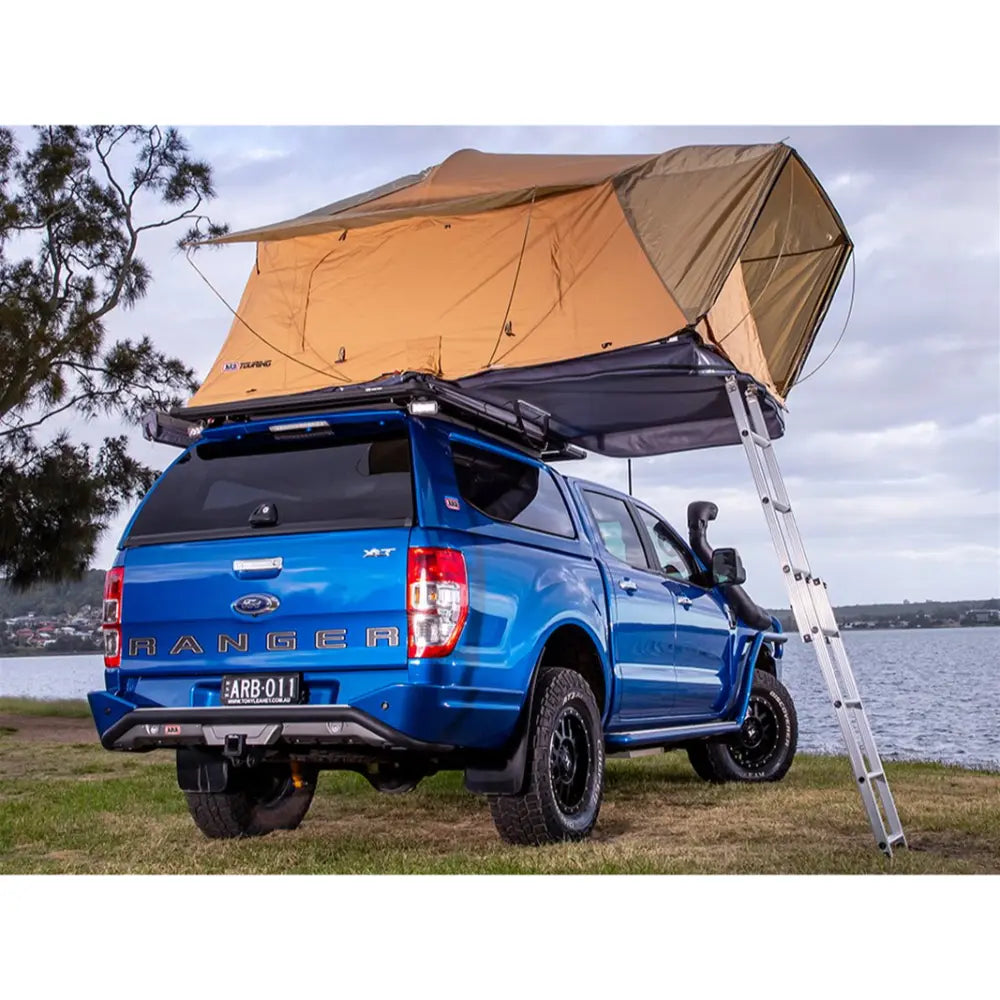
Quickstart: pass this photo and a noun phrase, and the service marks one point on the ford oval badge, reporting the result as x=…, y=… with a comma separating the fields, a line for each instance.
x=256, y=604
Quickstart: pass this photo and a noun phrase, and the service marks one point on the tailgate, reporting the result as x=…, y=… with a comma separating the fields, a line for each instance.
x=335, y=600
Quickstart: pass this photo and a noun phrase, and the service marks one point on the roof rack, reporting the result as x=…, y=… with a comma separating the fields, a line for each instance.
x=523, y=423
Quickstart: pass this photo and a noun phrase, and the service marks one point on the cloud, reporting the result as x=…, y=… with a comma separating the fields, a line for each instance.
x=259, y=154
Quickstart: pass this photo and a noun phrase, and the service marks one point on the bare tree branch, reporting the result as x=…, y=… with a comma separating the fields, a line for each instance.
x=103, y=156
x=41, y=420
x=188, y=213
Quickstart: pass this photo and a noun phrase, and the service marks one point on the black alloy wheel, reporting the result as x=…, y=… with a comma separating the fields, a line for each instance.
x=570, y=761
x=759, y=737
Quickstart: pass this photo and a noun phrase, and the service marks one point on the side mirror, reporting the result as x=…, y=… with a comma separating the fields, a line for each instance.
x=727, y=568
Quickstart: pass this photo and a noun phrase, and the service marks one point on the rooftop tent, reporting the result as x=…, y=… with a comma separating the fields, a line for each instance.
x=614, y=292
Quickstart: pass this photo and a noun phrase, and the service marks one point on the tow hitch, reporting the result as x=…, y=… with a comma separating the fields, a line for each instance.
x=234, y=747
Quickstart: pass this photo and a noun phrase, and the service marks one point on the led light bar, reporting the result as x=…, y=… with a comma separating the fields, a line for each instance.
x=305, y=425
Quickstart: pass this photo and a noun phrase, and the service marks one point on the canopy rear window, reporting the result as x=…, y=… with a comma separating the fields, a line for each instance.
x=263, y=484
x=505, y=489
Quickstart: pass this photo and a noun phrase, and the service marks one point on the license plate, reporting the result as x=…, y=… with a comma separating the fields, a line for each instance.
x=260, y=689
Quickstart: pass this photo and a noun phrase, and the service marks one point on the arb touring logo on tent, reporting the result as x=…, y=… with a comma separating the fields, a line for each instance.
x=233, y=366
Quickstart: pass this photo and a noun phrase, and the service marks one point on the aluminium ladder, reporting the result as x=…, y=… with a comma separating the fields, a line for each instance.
x=815, y=619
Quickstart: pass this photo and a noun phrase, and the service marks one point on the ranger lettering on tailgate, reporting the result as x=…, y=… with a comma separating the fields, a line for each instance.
x=274, y=642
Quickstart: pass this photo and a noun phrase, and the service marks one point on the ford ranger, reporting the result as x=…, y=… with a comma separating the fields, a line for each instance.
x=396, y=591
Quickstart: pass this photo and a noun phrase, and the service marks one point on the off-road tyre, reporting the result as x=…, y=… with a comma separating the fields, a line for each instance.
x=764, y=748
x=698, y=756
x=564, y=783
x=260, y=800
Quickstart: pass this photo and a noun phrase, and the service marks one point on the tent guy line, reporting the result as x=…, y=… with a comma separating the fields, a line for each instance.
x=843, y=329
x=264, y=340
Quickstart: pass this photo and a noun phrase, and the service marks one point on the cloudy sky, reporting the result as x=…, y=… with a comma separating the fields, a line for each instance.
x=892, y=450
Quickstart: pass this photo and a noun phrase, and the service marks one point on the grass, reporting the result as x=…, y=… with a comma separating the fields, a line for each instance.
x=73, y=807
x=38, y=707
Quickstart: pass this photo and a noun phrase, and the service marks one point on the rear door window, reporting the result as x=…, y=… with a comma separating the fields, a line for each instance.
x=324, y=481
x=505, y=489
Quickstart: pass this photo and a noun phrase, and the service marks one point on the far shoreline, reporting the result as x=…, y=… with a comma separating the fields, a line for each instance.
x=26, y=654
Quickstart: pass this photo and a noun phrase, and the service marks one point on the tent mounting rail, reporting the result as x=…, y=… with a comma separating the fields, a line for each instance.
x=522, y=424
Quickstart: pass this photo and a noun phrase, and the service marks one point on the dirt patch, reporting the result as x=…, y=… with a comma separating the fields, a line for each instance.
x=43, y=729
x=978, y=851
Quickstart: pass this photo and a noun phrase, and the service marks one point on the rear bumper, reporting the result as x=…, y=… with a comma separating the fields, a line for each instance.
x=397, y=710
x=327, y=726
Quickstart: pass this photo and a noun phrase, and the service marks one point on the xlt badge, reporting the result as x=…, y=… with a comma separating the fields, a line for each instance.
x=255, y=605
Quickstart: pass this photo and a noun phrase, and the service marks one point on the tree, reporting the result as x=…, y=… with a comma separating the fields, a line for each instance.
x=74, y=210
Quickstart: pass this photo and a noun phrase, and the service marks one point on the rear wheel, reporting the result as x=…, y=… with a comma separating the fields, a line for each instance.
x=564, y=783
x=764, y=747
x=259, y=800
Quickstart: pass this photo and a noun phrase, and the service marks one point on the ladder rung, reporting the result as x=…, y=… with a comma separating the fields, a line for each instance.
x=852, y=703
x=760, y=440
x=896, y=838
x=831, y=633
x=874, y=775
x=782, y=508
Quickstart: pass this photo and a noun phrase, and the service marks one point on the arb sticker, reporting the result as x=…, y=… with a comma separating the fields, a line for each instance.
x=452, y=504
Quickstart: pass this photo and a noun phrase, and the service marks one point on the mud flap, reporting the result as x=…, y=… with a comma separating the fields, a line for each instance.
x=508, y=779
x=199, y=771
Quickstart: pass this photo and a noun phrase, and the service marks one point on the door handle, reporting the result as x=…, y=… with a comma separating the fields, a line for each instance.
x=257, y=569
x=629, y=586
x=684, y=602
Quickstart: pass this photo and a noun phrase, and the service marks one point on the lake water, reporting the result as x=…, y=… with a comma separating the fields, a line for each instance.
x=930, y=695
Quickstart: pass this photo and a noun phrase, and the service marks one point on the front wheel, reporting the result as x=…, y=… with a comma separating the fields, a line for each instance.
x=259, y=800
x=764, y=747
x=564, y=784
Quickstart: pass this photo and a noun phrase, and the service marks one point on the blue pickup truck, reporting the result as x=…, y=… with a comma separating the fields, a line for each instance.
x=398, y=591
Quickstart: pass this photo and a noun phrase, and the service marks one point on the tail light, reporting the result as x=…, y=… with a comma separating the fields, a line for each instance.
x=111, y=625
x=437, y=600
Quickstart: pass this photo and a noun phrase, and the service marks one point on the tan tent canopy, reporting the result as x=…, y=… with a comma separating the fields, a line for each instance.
x=493, y=262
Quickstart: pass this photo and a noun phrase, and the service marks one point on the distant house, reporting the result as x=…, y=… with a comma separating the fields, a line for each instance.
x=982, y=616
